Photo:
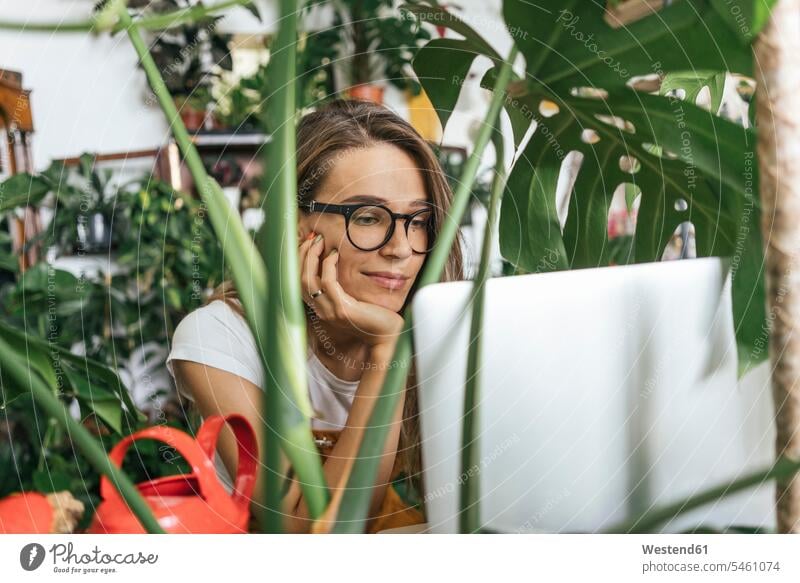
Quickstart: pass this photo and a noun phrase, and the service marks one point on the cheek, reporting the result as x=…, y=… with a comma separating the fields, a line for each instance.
x=348, y=273
x=420, y=262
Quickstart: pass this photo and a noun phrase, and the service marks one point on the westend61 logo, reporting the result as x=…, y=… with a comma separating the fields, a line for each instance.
x=65, y=560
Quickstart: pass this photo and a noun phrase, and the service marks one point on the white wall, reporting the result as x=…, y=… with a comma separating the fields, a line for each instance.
x=89, y=95
x=87, y=92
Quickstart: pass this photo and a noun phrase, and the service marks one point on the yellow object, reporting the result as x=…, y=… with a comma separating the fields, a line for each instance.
x=422, y=116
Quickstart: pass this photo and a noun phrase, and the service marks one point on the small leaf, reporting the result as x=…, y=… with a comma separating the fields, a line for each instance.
x=693, y=82
x=22, y=190
x=47, y=481
x=103, y=403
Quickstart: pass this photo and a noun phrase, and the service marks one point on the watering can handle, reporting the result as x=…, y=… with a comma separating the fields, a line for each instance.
x=245, y=480
x=196, y=456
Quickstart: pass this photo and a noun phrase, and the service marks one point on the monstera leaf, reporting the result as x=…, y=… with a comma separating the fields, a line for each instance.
x=685, y=163
x=683, y=160
x=569, y=44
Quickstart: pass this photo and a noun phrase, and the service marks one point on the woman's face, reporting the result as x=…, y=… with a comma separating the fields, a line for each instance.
x=388, y=176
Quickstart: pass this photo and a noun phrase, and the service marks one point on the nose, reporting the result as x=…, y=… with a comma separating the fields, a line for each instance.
x=398, y=245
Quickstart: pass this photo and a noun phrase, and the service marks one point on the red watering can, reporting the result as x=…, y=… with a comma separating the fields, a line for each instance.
x=186, y=503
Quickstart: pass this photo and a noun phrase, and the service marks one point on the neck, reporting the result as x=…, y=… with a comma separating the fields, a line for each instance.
x=340, y=351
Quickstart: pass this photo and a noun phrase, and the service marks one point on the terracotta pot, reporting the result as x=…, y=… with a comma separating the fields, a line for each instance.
x=26, y=513
x=366, y=92
x=194, y=118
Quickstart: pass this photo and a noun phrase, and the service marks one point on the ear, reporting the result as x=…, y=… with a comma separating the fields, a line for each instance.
x=303, y=230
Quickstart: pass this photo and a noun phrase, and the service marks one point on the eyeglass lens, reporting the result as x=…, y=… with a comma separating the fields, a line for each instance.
x=369, y=229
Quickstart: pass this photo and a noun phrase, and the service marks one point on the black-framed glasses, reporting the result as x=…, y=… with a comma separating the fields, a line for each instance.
x=370, y=226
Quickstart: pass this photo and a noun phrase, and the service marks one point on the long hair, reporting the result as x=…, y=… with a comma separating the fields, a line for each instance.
x=341, y=126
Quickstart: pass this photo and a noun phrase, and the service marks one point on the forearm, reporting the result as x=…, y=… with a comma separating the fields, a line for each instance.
x=339, y=462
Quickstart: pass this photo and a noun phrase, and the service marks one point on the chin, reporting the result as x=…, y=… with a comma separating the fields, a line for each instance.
x=389, y=300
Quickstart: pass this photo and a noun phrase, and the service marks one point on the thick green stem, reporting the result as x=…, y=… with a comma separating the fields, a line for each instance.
x=783, y=469
x=249, y=273
x=246, y=264
x=355, y=503
x=285, y=322
x=469, y=512
x=165, y=21
x=78, y=435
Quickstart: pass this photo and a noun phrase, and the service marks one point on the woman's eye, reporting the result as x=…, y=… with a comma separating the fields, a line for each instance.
x=366, y=221
x=420, y=224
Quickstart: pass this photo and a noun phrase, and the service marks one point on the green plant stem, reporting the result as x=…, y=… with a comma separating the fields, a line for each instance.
x=285, y=322
x=79, y=436
x=355, y=502
x=469, y=512
x=246, y=264
x=183, y=15
x=249, y=273
x=159, y=22
x=782, y=469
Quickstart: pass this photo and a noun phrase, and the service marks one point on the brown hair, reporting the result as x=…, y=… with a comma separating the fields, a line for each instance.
x=343, y=125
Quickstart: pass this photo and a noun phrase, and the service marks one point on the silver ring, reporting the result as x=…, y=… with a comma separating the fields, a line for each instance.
x=317, y=293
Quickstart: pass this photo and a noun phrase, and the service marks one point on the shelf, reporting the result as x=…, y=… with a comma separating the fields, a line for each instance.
x=214, y=139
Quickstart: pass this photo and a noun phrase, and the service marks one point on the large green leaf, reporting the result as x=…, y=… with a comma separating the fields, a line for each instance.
x=443, y=84
x=686, y=188
x=569, y=44
x=443, y=64
x=429, y=11
x=42, y=356
x=530, y=233
x=705, y=174
x=745, y=18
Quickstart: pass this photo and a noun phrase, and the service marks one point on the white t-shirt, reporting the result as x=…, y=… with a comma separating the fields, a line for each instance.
x=217, y=336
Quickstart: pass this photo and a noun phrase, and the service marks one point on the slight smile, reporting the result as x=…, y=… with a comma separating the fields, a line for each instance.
x=387, y=279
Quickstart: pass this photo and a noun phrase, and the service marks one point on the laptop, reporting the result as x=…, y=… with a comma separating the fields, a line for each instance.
x=604, y=392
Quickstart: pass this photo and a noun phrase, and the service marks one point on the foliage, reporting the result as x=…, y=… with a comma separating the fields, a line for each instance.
x=376, y=40
x=191, y=56
x=40, y=451
x=628, y=124
x=169, y=259
x=687, y=163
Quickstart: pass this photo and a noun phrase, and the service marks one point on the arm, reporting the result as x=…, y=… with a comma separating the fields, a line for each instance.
x=339, y=463
x=245, y=398
x=218, y=392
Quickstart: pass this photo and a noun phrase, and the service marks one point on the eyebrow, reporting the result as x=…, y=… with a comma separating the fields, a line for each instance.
x=368, y=198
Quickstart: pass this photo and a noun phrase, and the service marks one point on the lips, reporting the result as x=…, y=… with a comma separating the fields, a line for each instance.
x=387, y=279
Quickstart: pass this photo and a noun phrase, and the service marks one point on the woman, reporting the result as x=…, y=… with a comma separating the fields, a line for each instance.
x=372, y=196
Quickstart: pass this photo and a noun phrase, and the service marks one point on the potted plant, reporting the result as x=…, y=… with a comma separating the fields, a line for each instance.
x=82, y=205
x=376, y=41
x=350, y=511
x=190, y=57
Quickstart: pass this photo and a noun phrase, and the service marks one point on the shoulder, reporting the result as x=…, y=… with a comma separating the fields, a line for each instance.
x=217, y=316
x=216, y=335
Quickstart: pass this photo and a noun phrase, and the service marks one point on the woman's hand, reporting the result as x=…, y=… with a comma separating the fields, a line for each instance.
x=374, y=324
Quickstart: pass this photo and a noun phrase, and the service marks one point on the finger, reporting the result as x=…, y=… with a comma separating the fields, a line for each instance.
x=311, y=265
x=330, y=282
x=302, y=257
x=305, y=246
x=322, y=305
